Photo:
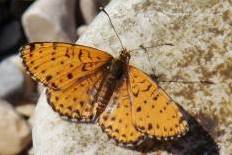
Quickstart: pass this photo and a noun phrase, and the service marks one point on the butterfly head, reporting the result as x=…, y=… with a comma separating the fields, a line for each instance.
x=119, y=66
x=125, y=56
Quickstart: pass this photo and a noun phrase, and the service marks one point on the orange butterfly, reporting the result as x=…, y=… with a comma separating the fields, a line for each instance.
x=88, y=85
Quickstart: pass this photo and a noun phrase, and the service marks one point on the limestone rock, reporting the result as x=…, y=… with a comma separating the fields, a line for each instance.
x=11, y=77
x=81, y=30
x=15, y=133
x=201, y=35
x=26, y=110
x=51, y=20
x=88, y=9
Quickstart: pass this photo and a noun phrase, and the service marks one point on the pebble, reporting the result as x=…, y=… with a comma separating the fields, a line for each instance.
x=26, y=110
x=11, y=76
x=15, y=133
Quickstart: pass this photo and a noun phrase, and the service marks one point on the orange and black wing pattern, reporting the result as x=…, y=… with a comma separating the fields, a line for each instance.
x=77, y=102
x=154, y=113
x=59, y=65
x=116, y=120
x=72, y=73
x=75, y=76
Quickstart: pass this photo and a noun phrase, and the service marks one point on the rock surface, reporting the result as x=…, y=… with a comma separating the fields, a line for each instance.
x=15, y=133
x=51, y=20
x=26, y=110
x=201, y=34
x=88, y=9
x=11, y=76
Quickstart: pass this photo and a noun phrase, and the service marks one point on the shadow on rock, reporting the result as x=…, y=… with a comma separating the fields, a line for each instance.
x=196, y=142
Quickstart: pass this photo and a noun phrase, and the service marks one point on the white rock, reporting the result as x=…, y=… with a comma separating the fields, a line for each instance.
x=88, y=9
x=51, y=20
x=15, y=133
x=81, y=30
x=201, y=51
x=11, y=76
x=26, y=110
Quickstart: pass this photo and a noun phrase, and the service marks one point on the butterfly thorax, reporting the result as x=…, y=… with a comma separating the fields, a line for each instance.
x=118, y=67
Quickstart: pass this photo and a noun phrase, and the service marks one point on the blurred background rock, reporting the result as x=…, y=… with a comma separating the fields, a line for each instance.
x=63, y=20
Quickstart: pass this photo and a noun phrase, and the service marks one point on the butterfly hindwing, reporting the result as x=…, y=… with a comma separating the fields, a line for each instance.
x=59, y=65
x=77, y=102
x=153, y=111
x=116, y=120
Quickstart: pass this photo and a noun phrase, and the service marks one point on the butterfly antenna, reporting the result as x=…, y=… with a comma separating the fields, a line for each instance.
x=170, y=81
x=187, y=82
x=147, y=47
x=111, y=23
x=149, y=60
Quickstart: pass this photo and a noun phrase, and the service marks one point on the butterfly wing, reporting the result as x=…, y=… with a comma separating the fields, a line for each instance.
x=153, y=111
x=116, y=120
x=59, y=65
x=77, y=101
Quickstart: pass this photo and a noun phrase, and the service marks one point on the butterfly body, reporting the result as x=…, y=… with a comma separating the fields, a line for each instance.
x=116, y=70
x=89, y=85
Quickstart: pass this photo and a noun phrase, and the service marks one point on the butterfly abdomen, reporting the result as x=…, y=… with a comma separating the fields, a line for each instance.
x=104, y=94
x=114, y=75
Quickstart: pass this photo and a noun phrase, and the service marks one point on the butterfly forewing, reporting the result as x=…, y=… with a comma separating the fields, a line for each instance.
x=59, y=65
x=116, y=120
x=153, y=111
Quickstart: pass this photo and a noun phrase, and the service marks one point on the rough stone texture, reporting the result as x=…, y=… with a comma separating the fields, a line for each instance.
x=201, y=33
x=57, y=18
x=15, y=133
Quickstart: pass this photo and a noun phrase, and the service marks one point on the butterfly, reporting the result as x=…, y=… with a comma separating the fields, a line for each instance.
x=86, y=84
